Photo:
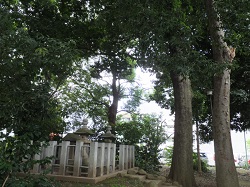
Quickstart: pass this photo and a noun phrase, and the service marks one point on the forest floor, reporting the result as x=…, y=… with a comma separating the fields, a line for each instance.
x=208, y=179
x=205, y=180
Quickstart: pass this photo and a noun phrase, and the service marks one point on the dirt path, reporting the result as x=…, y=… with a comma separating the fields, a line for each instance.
x=208, y=179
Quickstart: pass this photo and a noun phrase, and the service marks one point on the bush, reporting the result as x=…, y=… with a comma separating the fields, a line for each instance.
x=169, y=154
x=147, y=159
x=32, y=181
x=146, y=132
x=204, y=165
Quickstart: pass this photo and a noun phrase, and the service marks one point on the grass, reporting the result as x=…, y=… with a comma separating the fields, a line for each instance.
x=111, y=182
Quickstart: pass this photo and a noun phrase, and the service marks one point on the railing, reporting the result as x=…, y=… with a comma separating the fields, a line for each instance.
x=86, y=160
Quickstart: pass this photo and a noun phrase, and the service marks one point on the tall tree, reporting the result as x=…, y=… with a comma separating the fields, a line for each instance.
x=89, y=92
x=226, y=174
x=165, y=39
x=115, y=57
x=91, y=27
x=183, y=129
x=174, y=55
x=120, y=69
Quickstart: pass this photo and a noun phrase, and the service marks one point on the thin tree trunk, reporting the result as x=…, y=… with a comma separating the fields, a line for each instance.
x=6, y=179
x=226, y=174
x=182, y=161
x=112, y=112
x=198, y=148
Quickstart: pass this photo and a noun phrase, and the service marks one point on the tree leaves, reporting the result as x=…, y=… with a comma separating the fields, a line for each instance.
x=32, y=66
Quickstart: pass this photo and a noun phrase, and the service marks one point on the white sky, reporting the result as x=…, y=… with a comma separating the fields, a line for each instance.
x=145, y=79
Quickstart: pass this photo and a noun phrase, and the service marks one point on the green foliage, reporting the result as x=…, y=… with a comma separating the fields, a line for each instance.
x=87, y=94
x=169, y=154
x=202, y=115
x=116, y=181
x=248, y=143
x=29, y=79
x=147, y=158
x=163, y=93
x=32, y=181
x=37, y=46
x=17, y=154
x=240, y=94
x=84, y=96
x=117, y=185
x=147, y=133
x=204, y=165
x=134, y=99
x=32, y=67
x=245, y=165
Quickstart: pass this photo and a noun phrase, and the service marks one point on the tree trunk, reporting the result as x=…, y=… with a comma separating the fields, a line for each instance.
x=112, y=111
x=182, y=161
x=198, y=148
x=226, y=174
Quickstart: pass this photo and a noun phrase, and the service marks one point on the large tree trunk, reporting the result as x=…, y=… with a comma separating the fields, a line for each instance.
x=226, y=174
x=182, y=161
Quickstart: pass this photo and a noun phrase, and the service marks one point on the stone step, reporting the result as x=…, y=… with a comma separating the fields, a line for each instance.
x=140, y=177
x=165, y=184
x=149, y=180
x=152, y=183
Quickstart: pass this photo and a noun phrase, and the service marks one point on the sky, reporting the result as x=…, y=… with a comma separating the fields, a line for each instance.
x=146, y=81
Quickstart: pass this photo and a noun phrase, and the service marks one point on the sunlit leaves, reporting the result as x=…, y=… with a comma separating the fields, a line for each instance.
x=145, y=131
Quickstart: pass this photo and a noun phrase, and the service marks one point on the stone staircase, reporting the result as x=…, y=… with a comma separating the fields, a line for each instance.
x=149, y=180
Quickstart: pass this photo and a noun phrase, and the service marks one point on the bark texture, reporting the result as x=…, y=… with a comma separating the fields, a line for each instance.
x=112, y=111
x=226, y=174
x=182, y=162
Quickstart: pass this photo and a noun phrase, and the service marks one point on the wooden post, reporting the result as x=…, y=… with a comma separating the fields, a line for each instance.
x=63, y=157
x=78, y=157
x=92, y=159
